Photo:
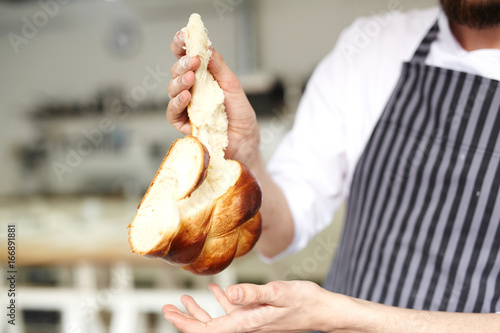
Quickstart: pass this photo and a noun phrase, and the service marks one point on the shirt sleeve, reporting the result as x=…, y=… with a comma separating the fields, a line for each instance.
x=310, y=165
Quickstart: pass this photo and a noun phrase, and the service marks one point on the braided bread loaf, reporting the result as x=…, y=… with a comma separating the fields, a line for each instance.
x=201, y=210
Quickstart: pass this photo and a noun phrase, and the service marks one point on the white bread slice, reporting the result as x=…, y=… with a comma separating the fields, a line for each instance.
x=182, y=171
x=205, y=208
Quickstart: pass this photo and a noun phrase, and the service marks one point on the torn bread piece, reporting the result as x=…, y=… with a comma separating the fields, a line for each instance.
x=201, y=210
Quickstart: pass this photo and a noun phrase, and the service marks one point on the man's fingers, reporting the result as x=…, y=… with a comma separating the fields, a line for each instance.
x=221, y=298
x=171, y=308
x=222, y=73
x=194, y=309
x=182, y=82
x=177, y=45
x=184, y=322
x=246, y=294
x=177, y=114
x=184, y=65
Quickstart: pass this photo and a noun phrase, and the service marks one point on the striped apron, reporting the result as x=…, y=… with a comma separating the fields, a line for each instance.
x=422, y=227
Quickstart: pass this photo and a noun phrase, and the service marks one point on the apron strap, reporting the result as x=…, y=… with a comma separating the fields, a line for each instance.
x=425, y=46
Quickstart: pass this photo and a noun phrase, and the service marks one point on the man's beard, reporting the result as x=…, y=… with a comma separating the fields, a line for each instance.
x=476, y=14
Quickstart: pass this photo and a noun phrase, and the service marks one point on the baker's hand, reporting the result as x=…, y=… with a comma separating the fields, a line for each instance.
x=298, y=306
x=243, y=131
x=292, y=306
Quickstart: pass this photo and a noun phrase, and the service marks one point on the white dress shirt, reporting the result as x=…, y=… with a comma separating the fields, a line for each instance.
x=344, y=98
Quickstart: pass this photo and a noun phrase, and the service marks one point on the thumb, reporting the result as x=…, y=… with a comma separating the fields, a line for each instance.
x=222, y=73
x=248, y=294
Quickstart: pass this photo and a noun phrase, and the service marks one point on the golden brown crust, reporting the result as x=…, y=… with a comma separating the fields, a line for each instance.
x=229, y=227
x=217, y=254
x=240, y=203
x=235, y=225
x=190, y=239
x=249, y=233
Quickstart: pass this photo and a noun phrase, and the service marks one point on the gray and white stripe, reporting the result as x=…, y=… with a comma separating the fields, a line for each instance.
x=423, y=222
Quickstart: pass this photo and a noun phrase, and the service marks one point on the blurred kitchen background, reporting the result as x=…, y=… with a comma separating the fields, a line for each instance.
x=83, y=92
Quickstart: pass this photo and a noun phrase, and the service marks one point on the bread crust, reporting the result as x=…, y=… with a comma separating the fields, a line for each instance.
x=249, y=235
x=206, y=242
x=233, y=210
x=244, y=198
x=188, y=243
x=217, y=255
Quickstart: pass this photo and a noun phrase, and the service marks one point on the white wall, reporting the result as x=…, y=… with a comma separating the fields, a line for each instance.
x=294, y=35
